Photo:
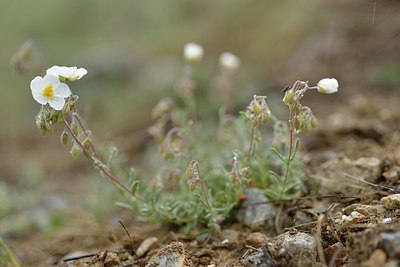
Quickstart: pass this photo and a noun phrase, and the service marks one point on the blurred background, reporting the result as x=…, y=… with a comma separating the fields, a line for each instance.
x=133, y=53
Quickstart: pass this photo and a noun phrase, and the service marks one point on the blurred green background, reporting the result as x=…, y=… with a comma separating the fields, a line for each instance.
x=133, y=53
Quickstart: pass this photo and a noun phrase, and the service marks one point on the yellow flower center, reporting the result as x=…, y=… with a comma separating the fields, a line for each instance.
x=48, y=91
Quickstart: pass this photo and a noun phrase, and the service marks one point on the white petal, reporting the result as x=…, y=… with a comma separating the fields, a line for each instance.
x=51, y=79
x=62, y=90
x=36, y=83
x=57, y=102
x=53, y=70
x=39, y=97
x=80, y=72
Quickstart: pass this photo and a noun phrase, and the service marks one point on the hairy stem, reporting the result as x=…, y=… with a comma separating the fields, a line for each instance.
x=203, y=189
x=251, y=144
x=289, y=159
x=96, y=161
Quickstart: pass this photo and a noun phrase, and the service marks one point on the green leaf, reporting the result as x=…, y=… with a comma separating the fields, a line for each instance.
x=278, y=154
x=275, y=176
x=135, y=187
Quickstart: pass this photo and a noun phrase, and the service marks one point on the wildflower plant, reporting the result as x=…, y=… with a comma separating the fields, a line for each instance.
x=203, y=168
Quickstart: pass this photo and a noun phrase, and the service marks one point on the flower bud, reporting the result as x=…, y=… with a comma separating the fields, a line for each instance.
x=189, y=172
x=192, y=185
x=40, y=123
x=229, y=61
x=87, y=143
x=193, y=52
x=314, y=122
x=75, y=129
x=64, y=137
x=288, y=98
x=328, y=86
x=75, y=151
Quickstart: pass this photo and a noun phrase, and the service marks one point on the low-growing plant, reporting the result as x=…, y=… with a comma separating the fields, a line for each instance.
x=203, y=167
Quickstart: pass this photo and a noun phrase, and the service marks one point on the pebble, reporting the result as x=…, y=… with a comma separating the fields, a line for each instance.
x=256, y=239
x=111, y=259
x=230, y=234
x=256, y=216
x=393, y=174
x=391, y=244
x=172, y=255
x=300, y=247
x=258, y=259
x=391, y=202
x=354, y=217
x=145, y=246
x=377, y=258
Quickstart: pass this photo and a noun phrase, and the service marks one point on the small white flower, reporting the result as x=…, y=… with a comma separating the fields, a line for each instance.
x=193, y=52
x=328, y=86
x=50, y=90
x=229, y=61
x=67, y=73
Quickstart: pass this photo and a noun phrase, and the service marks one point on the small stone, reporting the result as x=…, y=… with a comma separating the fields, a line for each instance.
x=256, y=211
x=300, y=248
x=172, y=255
x=203, y=237
x=111, y=259
x=338, y=250
x=393, y=174
x=391, y=202
x=258, y=259
x=256, y=239
x=145, y=246
x=230, y=234
x=377, y=258
x=354, y=217
x=391, y=244
x=366, y=210
x=371, y=167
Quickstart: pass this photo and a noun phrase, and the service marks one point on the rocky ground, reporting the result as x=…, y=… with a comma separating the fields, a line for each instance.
x=350, y=217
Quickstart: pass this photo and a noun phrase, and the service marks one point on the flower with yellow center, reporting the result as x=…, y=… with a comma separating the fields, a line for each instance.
x=67, y=73
x=49, y=89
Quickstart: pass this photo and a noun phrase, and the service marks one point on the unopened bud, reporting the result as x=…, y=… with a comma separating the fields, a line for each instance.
x=193, y=52
x=40, y=123
x=74, y=128
x=288, y=98
x=48, y=126
x=314, y=122
x=87, y=143
x=229, y=61
x=189, y=172
x=192, y=185
x=75, y=151
x=256, y=108
x=64, y=137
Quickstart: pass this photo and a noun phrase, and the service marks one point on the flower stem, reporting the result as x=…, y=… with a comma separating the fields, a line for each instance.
x=203, y=189
x=289, y=157
x=96, y=161
x=251, y=144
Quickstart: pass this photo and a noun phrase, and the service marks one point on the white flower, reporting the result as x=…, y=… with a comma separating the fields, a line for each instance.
x=67, y=73
x=229, y=61
x=193, y=52
x=50, y=90
x=328, y=86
